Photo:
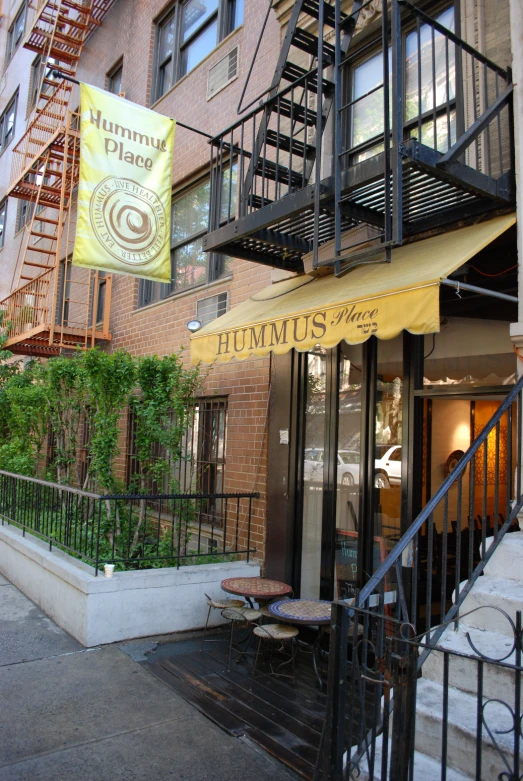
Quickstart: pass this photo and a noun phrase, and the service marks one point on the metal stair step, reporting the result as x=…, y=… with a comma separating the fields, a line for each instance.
x=312, y=8
x=292, y=72
x=286, y=144
x=307, y=42
x=257, y=202
x=296, y=112
x=269, y=170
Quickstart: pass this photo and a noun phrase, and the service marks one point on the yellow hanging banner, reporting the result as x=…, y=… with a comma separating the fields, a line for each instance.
x=124, y=193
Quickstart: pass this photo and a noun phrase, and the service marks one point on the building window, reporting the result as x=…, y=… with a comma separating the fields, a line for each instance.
x=7, y=124
x=3, y=219
x=201, y=467
x=187, y=34
x=24, y=214
x=114, y=79
x=190, y=265
x=15, y=32
x=429, y=90
x=42, y=80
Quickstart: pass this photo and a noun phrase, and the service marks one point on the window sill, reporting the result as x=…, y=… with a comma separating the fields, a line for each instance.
x=184, y=293
x=202, y=62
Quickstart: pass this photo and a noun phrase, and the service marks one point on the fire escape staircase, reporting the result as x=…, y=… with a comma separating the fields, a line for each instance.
x=53, y=307
x=290, y=201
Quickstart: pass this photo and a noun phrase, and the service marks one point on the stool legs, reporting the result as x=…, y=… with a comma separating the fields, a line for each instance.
x=205, y=630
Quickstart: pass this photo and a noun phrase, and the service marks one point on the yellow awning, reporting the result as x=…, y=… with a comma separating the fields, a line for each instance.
x=382, y=300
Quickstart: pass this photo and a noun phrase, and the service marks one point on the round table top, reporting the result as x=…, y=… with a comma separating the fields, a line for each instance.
x=302, y=611
x=256, y=587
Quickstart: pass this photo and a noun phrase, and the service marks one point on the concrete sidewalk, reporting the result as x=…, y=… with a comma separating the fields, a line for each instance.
x=72, y=714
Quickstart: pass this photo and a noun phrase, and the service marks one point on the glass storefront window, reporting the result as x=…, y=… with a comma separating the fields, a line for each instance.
x=388, y=447
x=348, y=473
x=313, y=475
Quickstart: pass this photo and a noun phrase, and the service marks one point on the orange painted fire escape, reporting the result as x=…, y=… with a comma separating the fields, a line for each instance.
x=54, y=306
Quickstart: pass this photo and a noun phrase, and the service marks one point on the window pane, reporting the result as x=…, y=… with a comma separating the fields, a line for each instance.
x=19, y=25
x=115, y=81
x=3, y=211
x=165, y=79
x=166, y=39
x=367, y=113
x=229, y=183
x=237, y=14
x=200, y=47
x=190, y=213
x=9, y=123
x=439, y=56
x=190, y=265
x=445, y=131
x=195, y=12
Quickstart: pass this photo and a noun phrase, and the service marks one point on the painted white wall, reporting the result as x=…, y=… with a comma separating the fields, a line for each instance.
x=97, y=610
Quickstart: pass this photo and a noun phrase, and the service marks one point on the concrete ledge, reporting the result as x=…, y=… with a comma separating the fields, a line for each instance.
x=97, y=610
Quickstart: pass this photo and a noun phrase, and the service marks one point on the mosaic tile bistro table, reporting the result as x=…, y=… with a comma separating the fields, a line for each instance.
x=259, y=589
x=305, y=612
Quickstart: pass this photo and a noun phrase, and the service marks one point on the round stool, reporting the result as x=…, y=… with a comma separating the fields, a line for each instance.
x=276, y=633
x=240, y=617
x=218, y=604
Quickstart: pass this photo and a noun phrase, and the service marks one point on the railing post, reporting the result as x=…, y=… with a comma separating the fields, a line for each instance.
x=333, y=743
x=404, y=669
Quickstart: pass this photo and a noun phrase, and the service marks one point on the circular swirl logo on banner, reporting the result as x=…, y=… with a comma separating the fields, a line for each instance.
x=128, y=220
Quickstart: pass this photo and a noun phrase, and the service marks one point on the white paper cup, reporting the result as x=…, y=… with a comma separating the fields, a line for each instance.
x=108, y=570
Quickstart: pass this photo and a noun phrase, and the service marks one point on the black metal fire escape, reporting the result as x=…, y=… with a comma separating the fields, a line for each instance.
x=275, y=194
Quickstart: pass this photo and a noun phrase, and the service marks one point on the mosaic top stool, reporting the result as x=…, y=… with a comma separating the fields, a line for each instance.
x=276, y=634
x=240, y=618
x=219, y=604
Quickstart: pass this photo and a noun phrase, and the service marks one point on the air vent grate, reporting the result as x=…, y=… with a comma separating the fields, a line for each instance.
x=221, y=74
x=208, y=309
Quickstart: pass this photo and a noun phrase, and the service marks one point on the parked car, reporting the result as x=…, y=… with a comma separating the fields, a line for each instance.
x=388, y=466
x=348, y=466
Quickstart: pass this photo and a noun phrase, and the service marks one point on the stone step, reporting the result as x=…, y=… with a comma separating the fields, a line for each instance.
x=497, y=593
x=506, y=561
x=463, y=673
x=425, y=768
x=462, y=730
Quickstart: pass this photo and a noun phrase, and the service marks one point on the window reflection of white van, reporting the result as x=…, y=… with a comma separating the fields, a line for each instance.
x=388, y=466
x=348, y=466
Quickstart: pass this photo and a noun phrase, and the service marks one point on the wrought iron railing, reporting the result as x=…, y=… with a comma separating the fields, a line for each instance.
x=384, y=722
x=418, y=591
x=132, y=531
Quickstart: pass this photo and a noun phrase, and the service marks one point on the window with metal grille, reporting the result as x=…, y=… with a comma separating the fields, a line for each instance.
x=201, y=467
x=208, y=309
x=221, y=74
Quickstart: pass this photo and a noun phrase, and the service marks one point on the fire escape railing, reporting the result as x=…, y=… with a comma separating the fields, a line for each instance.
x=443, y=147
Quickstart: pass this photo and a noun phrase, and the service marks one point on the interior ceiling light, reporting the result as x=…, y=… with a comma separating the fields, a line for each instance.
x=194, y=325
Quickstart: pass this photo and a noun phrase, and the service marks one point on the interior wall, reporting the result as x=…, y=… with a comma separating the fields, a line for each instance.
x=450, y=431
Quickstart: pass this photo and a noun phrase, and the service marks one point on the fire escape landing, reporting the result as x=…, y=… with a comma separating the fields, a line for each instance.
x=441, y=153
x=54, y=306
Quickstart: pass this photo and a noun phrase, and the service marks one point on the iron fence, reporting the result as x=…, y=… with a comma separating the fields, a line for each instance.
x=385, y=722
x=132, y=531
